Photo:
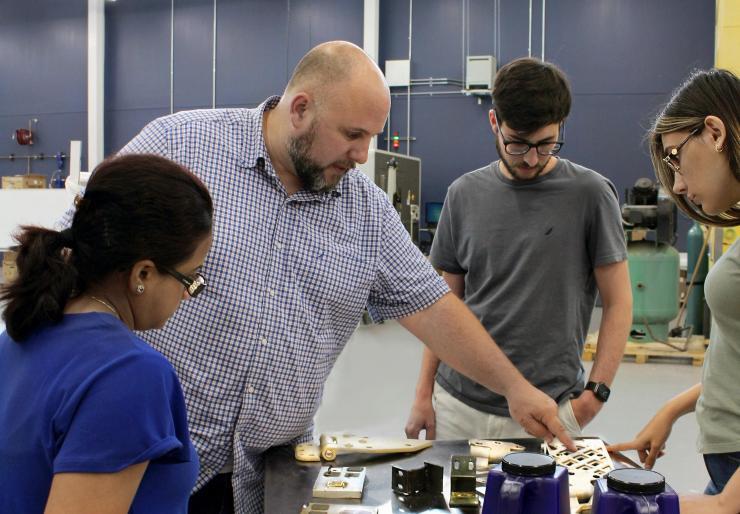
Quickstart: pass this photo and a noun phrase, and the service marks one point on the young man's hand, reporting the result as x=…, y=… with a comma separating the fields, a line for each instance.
x=422, y=417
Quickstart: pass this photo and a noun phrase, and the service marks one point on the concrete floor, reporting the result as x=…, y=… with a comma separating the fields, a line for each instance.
x=371, y=389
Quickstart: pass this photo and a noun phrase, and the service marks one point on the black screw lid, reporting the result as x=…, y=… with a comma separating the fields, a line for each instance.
x=528, y=464
x=635, y=481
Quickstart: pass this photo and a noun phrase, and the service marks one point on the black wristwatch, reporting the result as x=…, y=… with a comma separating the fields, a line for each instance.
x=600, y=390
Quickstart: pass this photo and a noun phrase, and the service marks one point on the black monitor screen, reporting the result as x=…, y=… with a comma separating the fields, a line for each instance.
x=433, y=210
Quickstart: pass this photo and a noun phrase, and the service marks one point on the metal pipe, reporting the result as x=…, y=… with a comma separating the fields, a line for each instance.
x=543, y=29
x=172, y=56
x=38, y=157
x=95, y=82
x=435, y=81
x=408, y=89
x=467, y=31
x=213, y=85
x=429, y=93
x=529, y=46
x=370, y=37
x=462, y=43
x=388, y=131
x=371, y=28
x=498, y=30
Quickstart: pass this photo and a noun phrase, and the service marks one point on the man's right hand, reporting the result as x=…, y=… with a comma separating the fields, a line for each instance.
x=537, y=413
x=422, y=417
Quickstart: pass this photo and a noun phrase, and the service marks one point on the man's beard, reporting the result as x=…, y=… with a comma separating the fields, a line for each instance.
x=512, y=170
x=308, y=170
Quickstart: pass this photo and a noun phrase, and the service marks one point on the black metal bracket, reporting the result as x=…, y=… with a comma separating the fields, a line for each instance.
x=425, y=480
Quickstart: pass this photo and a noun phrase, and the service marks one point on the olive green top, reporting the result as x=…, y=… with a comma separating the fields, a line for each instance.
x=718, y=408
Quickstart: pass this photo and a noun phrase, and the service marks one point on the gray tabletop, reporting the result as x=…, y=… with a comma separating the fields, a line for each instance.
x=289, y=483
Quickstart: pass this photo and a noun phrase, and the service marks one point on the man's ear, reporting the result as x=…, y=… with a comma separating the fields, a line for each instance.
x=300, y=109
x=492, y=120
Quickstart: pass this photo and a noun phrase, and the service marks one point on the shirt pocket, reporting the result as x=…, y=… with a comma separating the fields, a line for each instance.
x=332, y=281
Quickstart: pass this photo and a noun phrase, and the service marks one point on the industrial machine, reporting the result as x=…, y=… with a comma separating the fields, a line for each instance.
x=649, y=218
x=400, y=177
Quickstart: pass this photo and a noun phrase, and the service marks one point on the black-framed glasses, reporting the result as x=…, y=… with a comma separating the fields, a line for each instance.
x=671, y=159
x=519, y=148
x=194, y=284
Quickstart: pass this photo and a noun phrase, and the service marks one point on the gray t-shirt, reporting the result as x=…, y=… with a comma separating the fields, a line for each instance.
x=718, y=408
x=528, y=251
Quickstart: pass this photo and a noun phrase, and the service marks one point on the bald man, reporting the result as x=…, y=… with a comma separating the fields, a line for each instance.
x=303, y=243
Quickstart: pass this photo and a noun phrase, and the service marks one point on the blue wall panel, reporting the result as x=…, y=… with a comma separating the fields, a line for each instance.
x=614, y=53
x=311, y=22
x=43, y=49
x=623, y=59
x=252, y=51
x=629, y=46
x=137, y=57
x=193, y=54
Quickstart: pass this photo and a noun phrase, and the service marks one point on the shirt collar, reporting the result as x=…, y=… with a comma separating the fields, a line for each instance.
x=260, y=161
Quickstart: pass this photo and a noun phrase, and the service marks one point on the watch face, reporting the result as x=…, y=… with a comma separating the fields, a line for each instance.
x=602, y=392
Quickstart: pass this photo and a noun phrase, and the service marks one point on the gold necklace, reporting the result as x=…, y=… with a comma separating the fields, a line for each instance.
x=112, y=309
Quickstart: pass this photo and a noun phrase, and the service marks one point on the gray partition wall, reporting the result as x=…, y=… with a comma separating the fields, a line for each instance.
x=623, y=58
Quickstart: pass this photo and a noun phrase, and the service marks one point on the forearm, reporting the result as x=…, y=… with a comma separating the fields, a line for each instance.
x=429, y=365
x=429, y=361
x=454, y=335
x=613, y=332
x=683, y=403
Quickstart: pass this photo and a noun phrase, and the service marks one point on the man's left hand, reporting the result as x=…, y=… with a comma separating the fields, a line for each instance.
x=586, y=407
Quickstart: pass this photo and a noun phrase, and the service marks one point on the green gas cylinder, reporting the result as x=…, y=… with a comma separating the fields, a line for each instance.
x=696, y=259
x=654, y=275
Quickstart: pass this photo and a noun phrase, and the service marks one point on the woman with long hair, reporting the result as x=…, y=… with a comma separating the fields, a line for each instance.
x=695, y=148
x=93, y=419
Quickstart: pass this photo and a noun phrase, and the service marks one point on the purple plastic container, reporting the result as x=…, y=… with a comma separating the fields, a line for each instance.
x=634, y=491
x=527, y=483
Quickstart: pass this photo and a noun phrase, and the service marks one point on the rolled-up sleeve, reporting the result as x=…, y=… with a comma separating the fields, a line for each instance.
x=406, y=282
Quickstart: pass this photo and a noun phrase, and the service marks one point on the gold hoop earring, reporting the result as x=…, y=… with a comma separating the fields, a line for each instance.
x=719, y=148
x=140, y=289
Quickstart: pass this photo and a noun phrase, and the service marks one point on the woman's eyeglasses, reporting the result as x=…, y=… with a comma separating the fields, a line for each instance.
x=194, y=284
x=671, y=159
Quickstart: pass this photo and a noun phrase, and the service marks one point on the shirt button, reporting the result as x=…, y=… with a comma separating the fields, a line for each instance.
x=279, y=246
x=250, y=389
x=272, y=292
x=263, y=340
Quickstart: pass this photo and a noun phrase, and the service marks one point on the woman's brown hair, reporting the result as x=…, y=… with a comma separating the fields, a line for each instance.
x=712, y=92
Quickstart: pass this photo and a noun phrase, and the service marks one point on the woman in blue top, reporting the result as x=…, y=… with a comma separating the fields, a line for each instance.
x=92, y=419
x=695, y=148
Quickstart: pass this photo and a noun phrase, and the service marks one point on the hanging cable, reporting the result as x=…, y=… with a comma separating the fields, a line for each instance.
x=213, y=80
x=408, y=89
x=681, y=312
x=529, y=45
x=543, y=29
x=172, y=56
x=462, y=42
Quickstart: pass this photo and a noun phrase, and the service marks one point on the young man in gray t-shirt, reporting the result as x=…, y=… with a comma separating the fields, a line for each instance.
x=527, y=242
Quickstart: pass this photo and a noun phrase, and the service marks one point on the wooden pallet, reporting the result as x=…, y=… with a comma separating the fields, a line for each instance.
x=643, y=351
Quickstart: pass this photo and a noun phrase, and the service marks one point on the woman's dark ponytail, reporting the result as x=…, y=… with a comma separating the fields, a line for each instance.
x=46, y=280
x=135, y=207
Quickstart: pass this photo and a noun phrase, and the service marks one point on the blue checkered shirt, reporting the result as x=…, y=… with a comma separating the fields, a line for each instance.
x=288, y=279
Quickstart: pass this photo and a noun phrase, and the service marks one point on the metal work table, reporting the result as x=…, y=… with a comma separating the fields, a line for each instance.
x=289, y=483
